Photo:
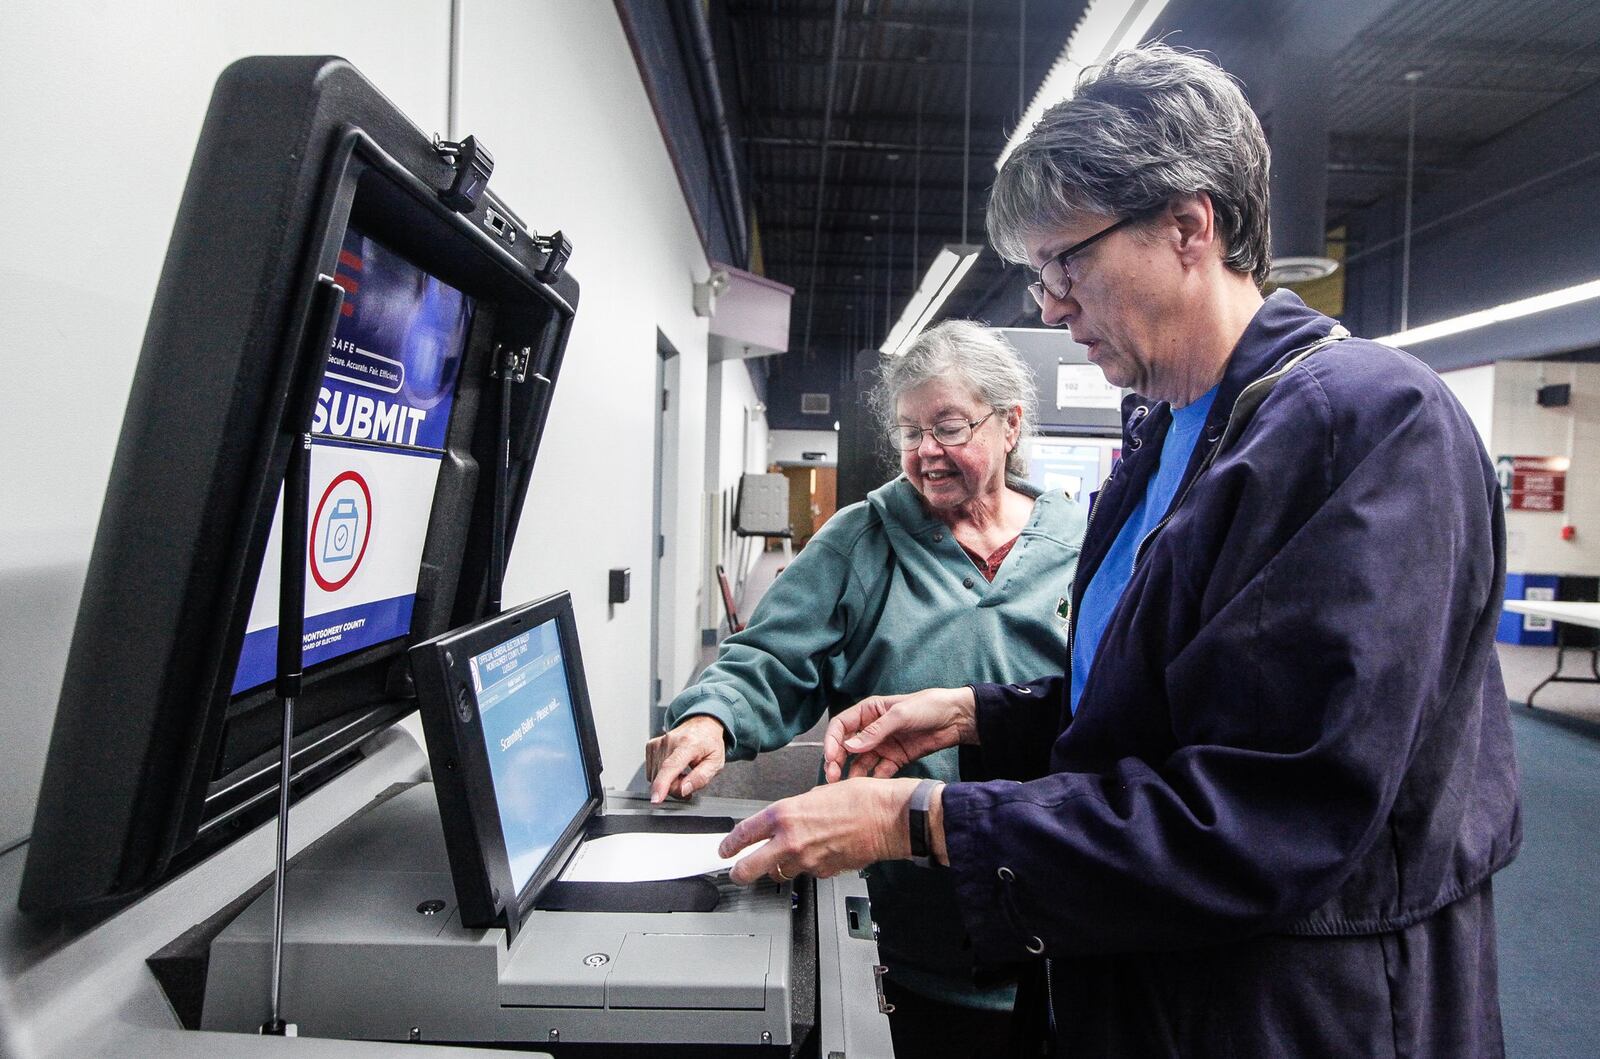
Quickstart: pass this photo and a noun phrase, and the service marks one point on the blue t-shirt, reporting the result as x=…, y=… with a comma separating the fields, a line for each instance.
x=1116, y=570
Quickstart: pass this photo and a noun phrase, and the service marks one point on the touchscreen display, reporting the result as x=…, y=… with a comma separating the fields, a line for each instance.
x=535, y=757
x=1065, y=465
x=379, y=432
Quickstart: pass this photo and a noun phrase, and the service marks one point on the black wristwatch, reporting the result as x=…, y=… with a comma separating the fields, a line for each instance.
x=917, y=823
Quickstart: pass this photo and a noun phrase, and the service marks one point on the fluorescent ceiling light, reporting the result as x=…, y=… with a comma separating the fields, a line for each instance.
x=1500, y=313
x=944, y=275
x=1107, y=27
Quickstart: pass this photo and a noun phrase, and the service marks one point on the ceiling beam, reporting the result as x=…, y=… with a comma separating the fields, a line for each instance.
x=1434, y=88
x=1357, y=148
x=807, y=62
x=934, y=125
x=1499, y=53
x=1003, y=27
x=870, y=146
x=897, y=187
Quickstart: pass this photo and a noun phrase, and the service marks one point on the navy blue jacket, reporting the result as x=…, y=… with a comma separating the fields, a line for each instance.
x=1272, y=822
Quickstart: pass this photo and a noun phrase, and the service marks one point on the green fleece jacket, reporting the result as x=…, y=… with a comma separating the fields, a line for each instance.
x=883, y=600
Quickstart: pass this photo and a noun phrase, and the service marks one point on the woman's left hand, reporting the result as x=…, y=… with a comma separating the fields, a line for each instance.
x=826, y=830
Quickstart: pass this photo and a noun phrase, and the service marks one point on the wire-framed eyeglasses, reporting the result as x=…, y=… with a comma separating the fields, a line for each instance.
x=1053, y=276
x=949, y=433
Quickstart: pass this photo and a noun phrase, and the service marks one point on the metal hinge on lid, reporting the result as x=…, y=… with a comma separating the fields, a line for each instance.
x=511, y=362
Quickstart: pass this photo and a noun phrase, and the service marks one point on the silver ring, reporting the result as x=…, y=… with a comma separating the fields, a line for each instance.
x=779, y=869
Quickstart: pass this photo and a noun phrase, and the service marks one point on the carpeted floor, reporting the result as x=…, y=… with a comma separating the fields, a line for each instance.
x=1546, y=902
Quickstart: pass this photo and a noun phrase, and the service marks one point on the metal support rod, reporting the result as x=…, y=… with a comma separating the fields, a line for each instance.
x=502, y=468
x=721, y=135
x=281, y=867
x=966, y=134
x=452, y=101
x=327, y=298
x=822, y=171
x=1412, y=77
x=916, y=192
x=291, y=659
x=1022, y=57
x=888, y=264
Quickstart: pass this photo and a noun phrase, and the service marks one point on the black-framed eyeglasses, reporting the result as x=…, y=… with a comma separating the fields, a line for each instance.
x=1053, y=276
x=949, y=433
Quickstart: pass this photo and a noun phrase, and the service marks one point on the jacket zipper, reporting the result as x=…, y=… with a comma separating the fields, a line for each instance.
x=1072, y=635
x=1265, y=383
x=1050, y=1000
x=1072, y=623
x=1205, y=465
x=1260, y=386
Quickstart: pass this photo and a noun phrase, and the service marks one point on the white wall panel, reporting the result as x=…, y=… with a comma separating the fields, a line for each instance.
x=103, y=102
x=1523, y=428
x=109, y=98
x=1474, y=388
x=744, y=434
x=790, y=446
x=552, y=88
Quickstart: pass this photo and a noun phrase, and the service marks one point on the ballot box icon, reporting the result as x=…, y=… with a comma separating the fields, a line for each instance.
x=339, y=539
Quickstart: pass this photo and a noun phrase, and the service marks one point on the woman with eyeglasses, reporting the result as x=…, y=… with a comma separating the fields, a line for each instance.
x=957, y=570
x=1259, y=810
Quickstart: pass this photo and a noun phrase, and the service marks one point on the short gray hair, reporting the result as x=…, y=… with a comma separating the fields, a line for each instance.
x=971, y=354
x=1151, y=123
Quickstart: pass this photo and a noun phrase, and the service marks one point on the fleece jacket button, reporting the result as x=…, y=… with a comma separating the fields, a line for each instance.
x=967, y=583
x=938, y=538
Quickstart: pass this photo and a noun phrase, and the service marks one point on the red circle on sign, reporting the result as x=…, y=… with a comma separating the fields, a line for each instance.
x=316, y=573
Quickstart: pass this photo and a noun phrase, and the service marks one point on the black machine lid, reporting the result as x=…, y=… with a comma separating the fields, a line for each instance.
x=329, y=264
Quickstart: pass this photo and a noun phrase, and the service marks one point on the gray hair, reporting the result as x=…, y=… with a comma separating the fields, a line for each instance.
x=1151, y=123
x=969, y=353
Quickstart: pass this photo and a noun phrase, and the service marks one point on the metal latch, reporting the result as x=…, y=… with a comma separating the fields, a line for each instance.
x=558, y=248
x=473, y=165
x=878, y=971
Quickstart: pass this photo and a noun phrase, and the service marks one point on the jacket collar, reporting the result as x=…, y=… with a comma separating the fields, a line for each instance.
x=898, y=501
x=1283, y=323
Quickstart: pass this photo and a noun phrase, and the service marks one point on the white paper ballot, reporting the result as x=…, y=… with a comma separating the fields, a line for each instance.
x=646, y=857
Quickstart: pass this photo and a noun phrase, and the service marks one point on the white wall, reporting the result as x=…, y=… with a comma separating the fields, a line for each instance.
x=1474, y=388
x=1522, y=428
x=743, y=437
x=736, y=442
x=789, y=446
x=108, y=99
x=552, y=88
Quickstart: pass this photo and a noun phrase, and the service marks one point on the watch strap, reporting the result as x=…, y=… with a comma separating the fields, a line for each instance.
x=917, y=823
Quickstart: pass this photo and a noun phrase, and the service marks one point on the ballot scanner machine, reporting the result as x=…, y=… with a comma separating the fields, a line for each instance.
x=337, y=407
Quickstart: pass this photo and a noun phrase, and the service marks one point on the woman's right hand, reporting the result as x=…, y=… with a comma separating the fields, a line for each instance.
x=884, y=733
x=695, y=746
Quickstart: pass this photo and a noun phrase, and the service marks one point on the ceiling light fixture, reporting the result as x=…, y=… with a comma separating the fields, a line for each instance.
x=944, y=275
x=1107, y=27
x=1498, y=314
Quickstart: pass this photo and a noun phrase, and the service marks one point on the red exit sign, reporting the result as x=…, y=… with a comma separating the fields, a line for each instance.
x=1534, y=483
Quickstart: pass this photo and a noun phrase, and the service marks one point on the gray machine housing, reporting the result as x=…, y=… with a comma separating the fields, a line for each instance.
x=374, y=950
